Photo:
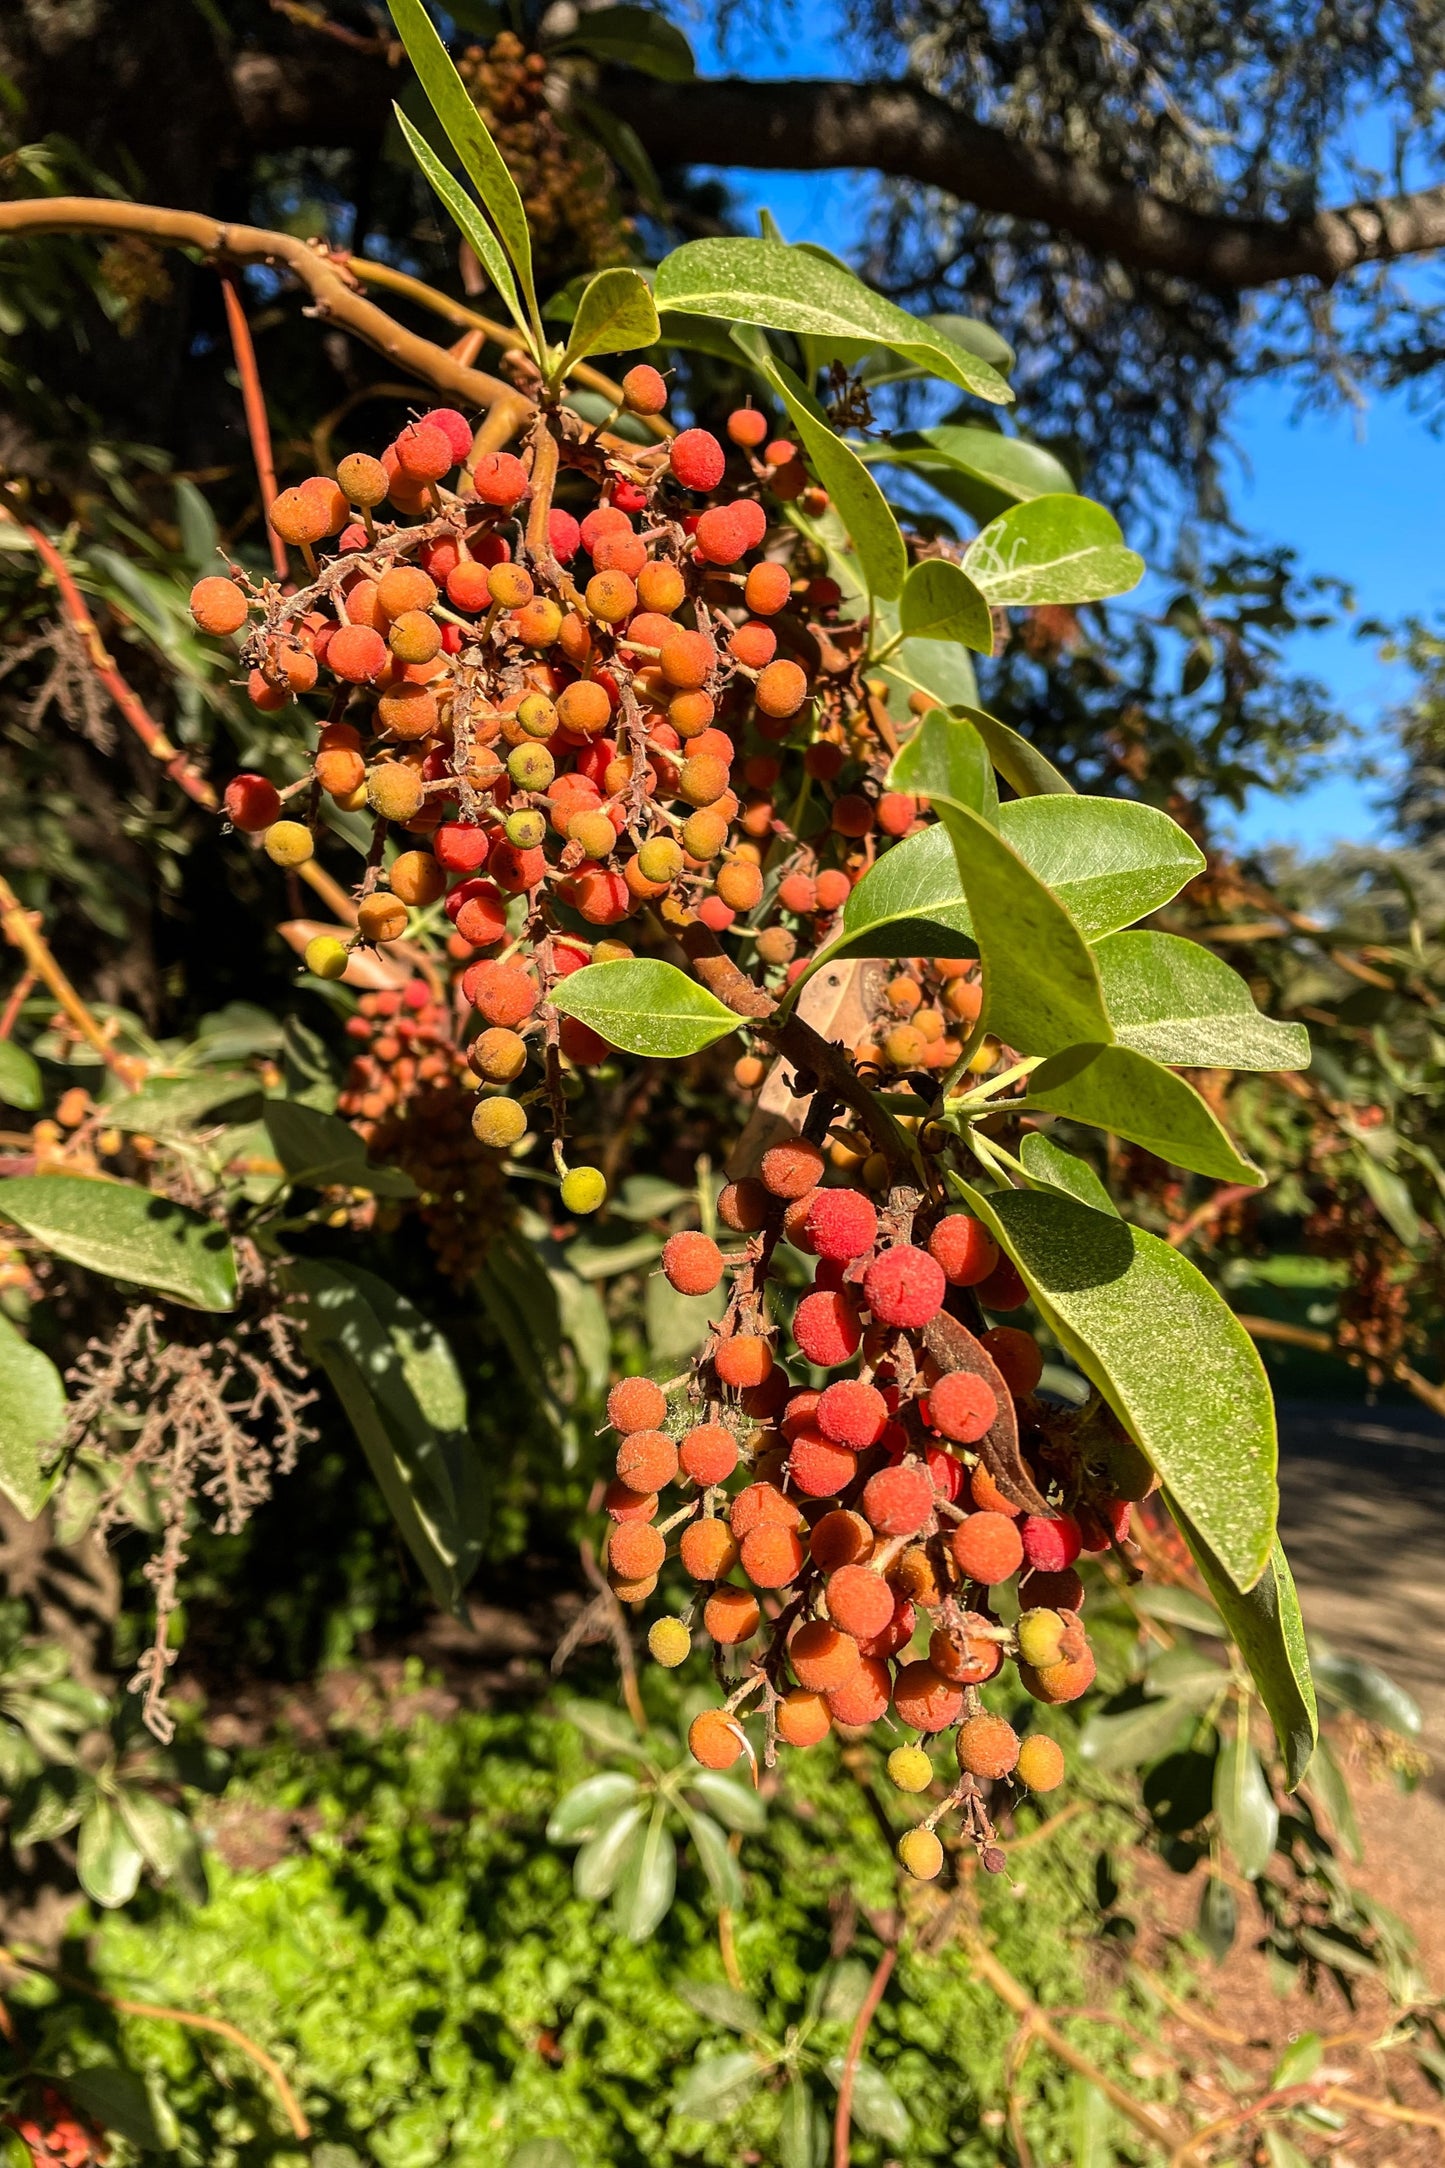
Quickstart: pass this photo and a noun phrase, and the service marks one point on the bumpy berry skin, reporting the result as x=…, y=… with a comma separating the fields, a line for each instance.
x=803, y=1717
x=697, y=459
x=898, y=1501
x=499, y=1123
x=925, y=1699
x=863, y=1698
x=988, y=1548
x=1051, y=1545
x=636, y=1404
x=731, y=1615
x=1018, y=1357
x=647, y=1460
x=772, y=1556
x=644, y=390
x=621, y=1504
x=839, y=1539
x=743, y=1360
x=692, y=1263
x=910, y=1769
x=714, y=1739
x=852, y=1414
x=288, y=843
x=1061, y=1682
x=964, y=1657
x=860, y=1602
x=962, y=1406
x=668, y=1642
x=842, y=1224
x=792, y=1169
x=1040, y=1766
x=708, y=1454
x=987, y=1746
x=1040, y=1636
x=708, y=1550
x=821, y=1656
x=904, y=1287
x=218, y=606
x=920, y=1852
x=635, y=1548
x=252, y=803
x=820, y=1468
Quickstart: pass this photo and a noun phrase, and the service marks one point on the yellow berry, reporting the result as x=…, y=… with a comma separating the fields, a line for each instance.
x=1040, y=1766
x=584, y=1189
x=921, y=1853
x=910, y=1769
x=498, y=1123
x=288, y=843
x=326, y=957
x=668, y=1641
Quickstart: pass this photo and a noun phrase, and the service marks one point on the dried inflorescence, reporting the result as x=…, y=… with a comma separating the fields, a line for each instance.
x=207, y=1427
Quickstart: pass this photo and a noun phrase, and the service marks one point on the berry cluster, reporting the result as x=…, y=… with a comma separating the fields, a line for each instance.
x=880, y=1515
x=58, y=2135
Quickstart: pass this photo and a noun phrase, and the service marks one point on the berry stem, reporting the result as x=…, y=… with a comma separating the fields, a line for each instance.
x=253, y=402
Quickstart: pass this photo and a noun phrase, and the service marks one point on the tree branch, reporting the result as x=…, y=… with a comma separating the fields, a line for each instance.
x=906, y=132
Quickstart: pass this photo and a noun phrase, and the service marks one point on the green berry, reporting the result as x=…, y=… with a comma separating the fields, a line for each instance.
x=531, y=767
x=525, y=829
x=584, y=1189
x=1040, y=1638
x=537, y=716
x=668, y=1641
x=910, y=1769
x=326, y=957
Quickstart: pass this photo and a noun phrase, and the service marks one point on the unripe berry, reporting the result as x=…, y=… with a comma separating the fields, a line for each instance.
x=731, y=1615
x=498, y=1057
x=1040, y=1766
x=708, y=1550
x=500, y=478
x=898, y=1501
x=791, y=1169
x=852, y=1414
x=803, y=1718
x=826, y=1328
x=394, y=791
x=531, y=767
x=862, y=1698
x=668, y=1642
x=964, y=1248
x=218, y=605
x=381, y=917
x=904, y=1286
x=340, y=770
x=253, y=803
x=839, y=1539
x=988, y=1548
x=644, y=390
x=636, y=1404
x=298, y=518
x=1018, y=1357
x=715, y=1739
x=920, y=1853
x=692, y=1263
x=697, y=459
x=362, y=479
x=962, y=1406
x=537, y=716
x=498, y=1123
x=594, y=832
x=407, y=711
x=417, y=878
x=1051, y=1545
x=781, y=689
x=987, y=1746
x=860, y=1602
x=1040, y=1637
x=584, y=1190
x=288, y=843
x=325, y=957
x=924, y=1699
x=660, y=859
x=704, y=835
x=1061, y=1682
x=775, y=945
x=690, y=714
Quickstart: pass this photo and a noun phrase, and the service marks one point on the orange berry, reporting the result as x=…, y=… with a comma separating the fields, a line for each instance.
x=821, y=1656
x=840, y=1538
x=636, y=1404
x=863, y=1697
x=647, y=1460
x=635, y=1549
x=772, y=1556
x=708, y=1550
x=803, y=1718
x=987, y=1746
x=925, y=1699
x=218, y=605
x=860, y=1602
x=715, y=1739
x=731, y=1615
x=403, y=588
x=743, y=1360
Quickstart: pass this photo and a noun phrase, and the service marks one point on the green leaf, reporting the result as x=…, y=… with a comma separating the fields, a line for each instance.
x=107, y=1858
x=1041, y=988
x=615, y=315
x=599, y=1863
x=1299, y=2062
x=1135, y=1737
x=125, y=1232
x=20, y=1080
x=1045, y=1161
x=429, y=1368
x=166, y=1839
x=1164, y=1350
x=908, y=903
x=986, y=470
x=938, y=667
x=791, y=289
x=481, y=160
x=940, y=602
x=1181, y=1004
x=1020, y=764
x=1329, y=1789
x=722, y=2004
x=1052, y=549
x=590, y=1806
x=383, y=1369
x=1348, y=1682
x=717, y=2085
x=320, y=1151
x=466, y=217
x=1108, y=860
x=1269, y=1633
x=1248, y=1816
x=647, y=1881
x=1282, y=2152
x=50, y=1804
x=1218, y=1918
x=1178, y=1607
x=731, y=1800
x=126, y=2104
x=632, y=37
x=717, y=1862
x=1390, y=1195
x=645, y=1007
x=1113, y=1088
x=32, y=1417
x=1093, y=2121
x=859, y=502
x=877, y=2109
x=795, y=2128
x=173, y=1106
x=946, y=759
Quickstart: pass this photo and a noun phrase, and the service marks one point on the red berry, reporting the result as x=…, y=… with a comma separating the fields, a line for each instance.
x=962, y=1406
x=697, y=459
x=1051, y=1545
x=1003, y=1289
x=841, y=1224
x=852, y=1414
x=726, y=532
x=565, y=536
x=965, y=1249
x=636, y=1404
x=500, y=478
x=988, y=1548
x=792, y=1169
x=424, y=454
x=820, y=1468
x=461, y=846
x=252, y=803
x=826, y=1328
x=904, y=1286
x=455, y=428
x=692, y=1263
x=899, y=1501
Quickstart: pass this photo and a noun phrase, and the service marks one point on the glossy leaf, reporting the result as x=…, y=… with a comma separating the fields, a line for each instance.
x=877, y=2109
x=946, y=759
x=20, y=1080
x=1244, y=1803
x=647, y=1881
x=645, y=1007
x=466, y=217
x=881, y=366
x=1218, y=1919
x=1348, y=1682
x=1133, y=1738
x=731, y=1800
x=981, y=469
x=166, y=1840
x=32, y=1418
x=1180, y=1003
x=1165, y=1351
x=1041, y=986
x=385, y=1374
x=590, y=1806
x=791, y=289
x=1045, y=1161
x=107, y=1858
x=1058, y=549
x=939, y=668
x=717, y=2085
x=940, y=602
x=1269, y=1633
x=598, y=1865
x=1108, y=860
x=173, y=1106
x=1329, y=1789
x=795, y=2128
x=716, y=1861
x=615, y=315
x=321, y=1151
x=632, y=37
x=908, y=903
x=127, y=1233
x=1021, y=765
x=481, y=161
x=860, y=503
x=1113, y=1088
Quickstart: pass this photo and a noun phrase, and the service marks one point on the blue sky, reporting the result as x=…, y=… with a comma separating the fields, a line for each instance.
x=1358, y=495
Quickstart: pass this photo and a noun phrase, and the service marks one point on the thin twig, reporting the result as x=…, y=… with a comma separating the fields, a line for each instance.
x=253, y=400
x=20, y=929
x=843, y=2118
